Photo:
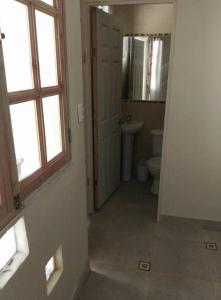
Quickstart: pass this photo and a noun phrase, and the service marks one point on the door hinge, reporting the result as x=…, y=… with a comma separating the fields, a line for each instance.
x=93, y=52
x=69, y=136
x=18, y=201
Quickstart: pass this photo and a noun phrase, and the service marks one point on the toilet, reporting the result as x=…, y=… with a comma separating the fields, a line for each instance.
x=154, y=163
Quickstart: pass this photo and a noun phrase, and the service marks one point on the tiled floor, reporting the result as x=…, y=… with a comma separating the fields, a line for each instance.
x=125, y=232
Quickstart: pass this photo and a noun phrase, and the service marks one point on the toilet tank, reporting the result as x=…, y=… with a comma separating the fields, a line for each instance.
x=157, y=140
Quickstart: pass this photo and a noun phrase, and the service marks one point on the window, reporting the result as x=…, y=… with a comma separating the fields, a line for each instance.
x=8, y=249
x=34, y=61
x=50, y=268
x=14, y=251
x=53, y=270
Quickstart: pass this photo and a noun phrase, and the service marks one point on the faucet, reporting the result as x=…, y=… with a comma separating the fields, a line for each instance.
x=128, y=118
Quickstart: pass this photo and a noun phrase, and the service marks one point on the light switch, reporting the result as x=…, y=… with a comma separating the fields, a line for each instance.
x=80, y=113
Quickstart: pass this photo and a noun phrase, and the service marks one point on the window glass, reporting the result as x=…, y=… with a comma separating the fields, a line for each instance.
x=8, y=247
x=16, y=45
x=50, y=268
x=47, y=49
x=52, y=120
x=25, y=132
x=50, y=2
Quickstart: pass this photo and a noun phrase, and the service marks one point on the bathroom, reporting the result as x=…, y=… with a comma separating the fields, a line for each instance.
x=144, y=96
x=143, y=75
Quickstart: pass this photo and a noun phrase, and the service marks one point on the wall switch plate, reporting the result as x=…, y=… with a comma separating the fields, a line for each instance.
x=80, y=112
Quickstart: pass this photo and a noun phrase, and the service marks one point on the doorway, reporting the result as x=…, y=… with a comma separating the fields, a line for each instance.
x=126, y=106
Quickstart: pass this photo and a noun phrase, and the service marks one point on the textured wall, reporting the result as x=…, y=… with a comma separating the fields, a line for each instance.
x=190, y=182
x=146, y=18
x=56, y=214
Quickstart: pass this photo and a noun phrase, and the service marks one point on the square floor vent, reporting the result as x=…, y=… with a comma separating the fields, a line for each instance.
x=211, y=246
x=144, y=266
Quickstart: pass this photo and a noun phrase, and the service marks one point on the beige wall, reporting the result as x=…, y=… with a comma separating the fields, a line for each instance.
x=146, y=18
x=190, y=182
x=152, y=114
x=56, y=214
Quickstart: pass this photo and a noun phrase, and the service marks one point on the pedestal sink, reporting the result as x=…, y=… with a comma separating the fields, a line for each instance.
x=128, y=130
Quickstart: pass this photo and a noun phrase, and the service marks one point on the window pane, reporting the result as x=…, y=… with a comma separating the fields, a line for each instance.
x=50, y=2
x=25, y=132
x=16, y=46
x=51, y=108
x=8, y=247
x=47, y=49
x=50, y=268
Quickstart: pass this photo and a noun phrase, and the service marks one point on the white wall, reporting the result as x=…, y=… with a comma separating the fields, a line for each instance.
x=56, y=214
x=146, y=18
x=191, y=177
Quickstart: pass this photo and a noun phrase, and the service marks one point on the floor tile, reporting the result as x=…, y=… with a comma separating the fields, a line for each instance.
x=193, y=260
x=100, y=287
x=162, y=287
x=125, y=232
x=217, y=290
x=191, y=289
x=179, y=231
x=166, y=256
x=213, y=236
x=214, y=261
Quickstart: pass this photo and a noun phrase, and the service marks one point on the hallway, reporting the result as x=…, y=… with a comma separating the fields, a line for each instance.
x=125, y=232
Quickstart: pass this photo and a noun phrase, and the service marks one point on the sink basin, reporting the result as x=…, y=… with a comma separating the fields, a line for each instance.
x=129, y=131
x=131, y=127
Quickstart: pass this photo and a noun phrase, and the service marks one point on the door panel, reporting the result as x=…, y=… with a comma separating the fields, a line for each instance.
x=107, y=44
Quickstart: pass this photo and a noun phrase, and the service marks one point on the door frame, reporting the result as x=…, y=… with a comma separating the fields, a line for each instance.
x=85, y=7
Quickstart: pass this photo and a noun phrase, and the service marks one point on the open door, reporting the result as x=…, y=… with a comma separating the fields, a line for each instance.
x=107, y=75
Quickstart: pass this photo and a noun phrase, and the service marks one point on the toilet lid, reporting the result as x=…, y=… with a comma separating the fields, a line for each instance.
x=154, y=162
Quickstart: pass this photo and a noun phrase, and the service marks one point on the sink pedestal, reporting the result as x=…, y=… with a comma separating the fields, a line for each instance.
x=128, y=143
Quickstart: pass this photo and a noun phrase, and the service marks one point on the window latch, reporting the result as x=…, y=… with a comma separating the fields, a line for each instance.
x=6, y=268
x=2, y=36
x=18, y=201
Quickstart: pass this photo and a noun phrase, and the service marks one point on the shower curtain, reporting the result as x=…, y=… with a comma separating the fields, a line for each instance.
x=159, y=68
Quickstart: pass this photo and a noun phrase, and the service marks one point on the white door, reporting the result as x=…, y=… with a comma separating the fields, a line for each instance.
x=138, y=65
x=107, y=74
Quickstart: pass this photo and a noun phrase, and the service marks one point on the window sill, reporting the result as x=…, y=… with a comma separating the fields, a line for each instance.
x=18, y=260
x=21, y=254
x=33, y=183
x=53, y=281
x=51, y=180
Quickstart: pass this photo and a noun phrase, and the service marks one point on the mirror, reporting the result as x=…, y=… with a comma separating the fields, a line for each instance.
x=145, y=67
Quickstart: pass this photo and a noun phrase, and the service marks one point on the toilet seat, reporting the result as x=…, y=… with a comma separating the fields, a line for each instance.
x=154, y=163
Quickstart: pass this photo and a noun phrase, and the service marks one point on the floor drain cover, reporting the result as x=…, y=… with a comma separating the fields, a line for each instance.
x=211, y=246
x=144, y=266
